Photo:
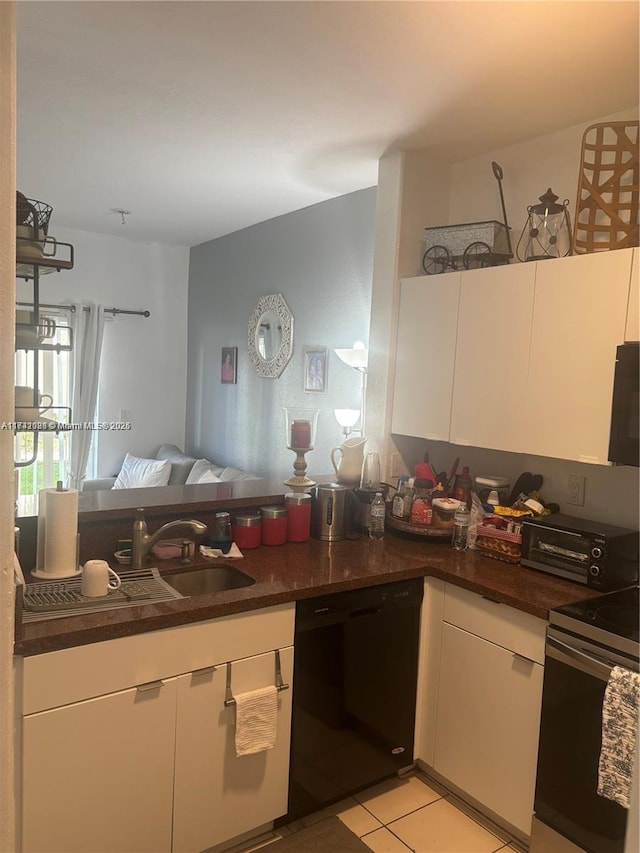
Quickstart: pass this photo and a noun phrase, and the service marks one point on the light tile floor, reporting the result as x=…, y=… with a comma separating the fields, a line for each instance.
x=412, y=814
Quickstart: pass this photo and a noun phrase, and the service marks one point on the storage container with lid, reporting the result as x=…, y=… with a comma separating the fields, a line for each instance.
x=247, y=530
x=486, y=485
x=221, y=536
x=298, y=507
x=274, y=524
x=444, y=510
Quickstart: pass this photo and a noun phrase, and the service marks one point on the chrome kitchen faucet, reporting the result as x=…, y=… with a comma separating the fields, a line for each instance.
x=142, y=542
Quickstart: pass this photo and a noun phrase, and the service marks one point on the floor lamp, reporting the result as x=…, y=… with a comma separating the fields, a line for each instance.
x=358, y=358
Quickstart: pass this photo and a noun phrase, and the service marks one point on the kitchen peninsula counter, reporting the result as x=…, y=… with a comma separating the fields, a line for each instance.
x=296, y=571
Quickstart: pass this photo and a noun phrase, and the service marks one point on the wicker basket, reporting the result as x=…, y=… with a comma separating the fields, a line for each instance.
x=33, y=214
x=499, y=544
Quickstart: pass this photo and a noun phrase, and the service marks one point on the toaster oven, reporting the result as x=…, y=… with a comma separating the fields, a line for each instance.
x=598, y=555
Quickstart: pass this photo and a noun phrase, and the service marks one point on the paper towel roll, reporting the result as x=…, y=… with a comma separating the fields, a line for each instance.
x=42, y=514
x=61, y=533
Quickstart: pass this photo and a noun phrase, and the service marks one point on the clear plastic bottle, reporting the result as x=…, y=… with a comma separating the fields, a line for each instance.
x=461, y=527
x=377, y=516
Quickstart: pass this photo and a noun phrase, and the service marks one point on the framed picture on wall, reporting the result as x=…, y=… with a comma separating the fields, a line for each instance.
x=229, y=366
x=315, y=370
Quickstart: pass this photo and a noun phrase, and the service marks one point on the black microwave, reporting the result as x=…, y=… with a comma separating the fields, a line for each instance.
x=624, y=447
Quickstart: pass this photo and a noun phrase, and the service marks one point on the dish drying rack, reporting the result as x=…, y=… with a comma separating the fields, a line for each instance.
x=56, y=599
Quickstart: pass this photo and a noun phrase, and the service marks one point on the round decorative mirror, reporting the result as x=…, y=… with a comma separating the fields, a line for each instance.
x=270, y=337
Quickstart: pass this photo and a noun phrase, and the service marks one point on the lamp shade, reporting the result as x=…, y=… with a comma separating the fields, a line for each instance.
x=347, y=417
x=356, y=357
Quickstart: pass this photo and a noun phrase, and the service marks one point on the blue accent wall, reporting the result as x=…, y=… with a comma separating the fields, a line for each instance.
x=320, y=259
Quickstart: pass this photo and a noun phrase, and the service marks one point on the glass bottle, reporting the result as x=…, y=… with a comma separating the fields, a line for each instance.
x=377, y=516
x=397, y=508
x=421, y=510
x=408, y=500
x=462, y=487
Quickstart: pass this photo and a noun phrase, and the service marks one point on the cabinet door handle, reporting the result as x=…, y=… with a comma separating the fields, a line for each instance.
x=150, y=685
x=522, y=658
x=204, y=671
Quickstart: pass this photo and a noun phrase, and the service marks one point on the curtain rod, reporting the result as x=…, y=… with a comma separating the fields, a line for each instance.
x=72, y=308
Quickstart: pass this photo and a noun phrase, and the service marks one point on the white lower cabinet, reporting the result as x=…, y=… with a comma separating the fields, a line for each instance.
x=127, y=745
x=218, y=795
x=98, y=775
x=487, y=727
x=486, y=689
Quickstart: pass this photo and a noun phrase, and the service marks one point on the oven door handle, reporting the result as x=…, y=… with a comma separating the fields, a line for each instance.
x=565, y=653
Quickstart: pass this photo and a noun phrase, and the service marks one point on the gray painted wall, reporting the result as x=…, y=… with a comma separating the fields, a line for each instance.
x=320, y=259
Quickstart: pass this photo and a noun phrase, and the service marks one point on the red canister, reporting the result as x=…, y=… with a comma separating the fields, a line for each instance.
x=247, y=530
x=274, y=525
x=298, y=507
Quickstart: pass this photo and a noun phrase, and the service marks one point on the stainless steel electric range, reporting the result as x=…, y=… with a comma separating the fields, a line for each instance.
x=584, y=642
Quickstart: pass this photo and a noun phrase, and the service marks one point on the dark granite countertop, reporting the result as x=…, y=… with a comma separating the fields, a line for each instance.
x=296, y=571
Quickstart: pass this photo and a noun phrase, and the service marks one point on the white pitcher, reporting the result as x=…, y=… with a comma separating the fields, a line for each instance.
x=349, y=466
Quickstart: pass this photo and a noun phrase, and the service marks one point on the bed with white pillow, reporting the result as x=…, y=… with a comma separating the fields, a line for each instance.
x=169, y=467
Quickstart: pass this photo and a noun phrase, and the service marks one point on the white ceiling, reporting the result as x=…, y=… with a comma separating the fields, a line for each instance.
x=202, y=118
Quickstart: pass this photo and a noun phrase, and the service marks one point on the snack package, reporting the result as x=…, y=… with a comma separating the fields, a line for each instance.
x=477, y=515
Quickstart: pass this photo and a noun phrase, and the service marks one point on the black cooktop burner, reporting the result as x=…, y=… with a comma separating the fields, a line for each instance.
x=622, y=618
x=615, y=613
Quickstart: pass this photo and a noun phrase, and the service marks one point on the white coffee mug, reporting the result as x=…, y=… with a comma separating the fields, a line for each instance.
x=24, y=399
x=98, y=578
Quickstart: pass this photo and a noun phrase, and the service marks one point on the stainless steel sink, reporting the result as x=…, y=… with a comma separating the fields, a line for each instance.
x=207, y=579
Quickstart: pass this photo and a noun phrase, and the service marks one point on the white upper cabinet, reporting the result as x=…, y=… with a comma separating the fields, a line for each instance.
x=579, y=316
x=425, y=355
x=632, y=332
x=517, y=358
x=492, y=355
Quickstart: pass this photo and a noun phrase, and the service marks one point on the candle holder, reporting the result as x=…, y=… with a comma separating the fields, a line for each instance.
x=300, y=425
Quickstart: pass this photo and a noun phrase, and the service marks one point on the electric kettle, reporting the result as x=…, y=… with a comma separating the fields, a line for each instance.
x=333, y=512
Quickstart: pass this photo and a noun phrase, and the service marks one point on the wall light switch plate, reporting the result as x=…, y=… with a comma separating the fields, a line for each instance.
x=575, y=490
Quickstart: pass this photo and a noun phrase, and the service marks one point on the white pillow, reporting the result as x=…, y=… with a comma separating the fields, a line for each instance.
x=200, y=466
x=231, y=473
x=209, y=477
x=137, y=473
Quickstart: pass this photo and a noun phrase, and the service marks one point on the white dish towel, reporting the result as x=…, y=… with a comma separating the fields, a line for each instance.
x=256, y=720
x=620, y=710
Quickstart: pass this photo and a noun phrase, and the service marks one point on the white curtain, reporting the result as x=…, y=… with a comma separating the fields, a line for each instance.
x=88, y=329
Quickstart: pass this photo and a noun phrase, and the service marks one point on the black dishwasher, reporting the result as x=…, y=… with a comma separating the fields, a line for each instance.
x=354, y=691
